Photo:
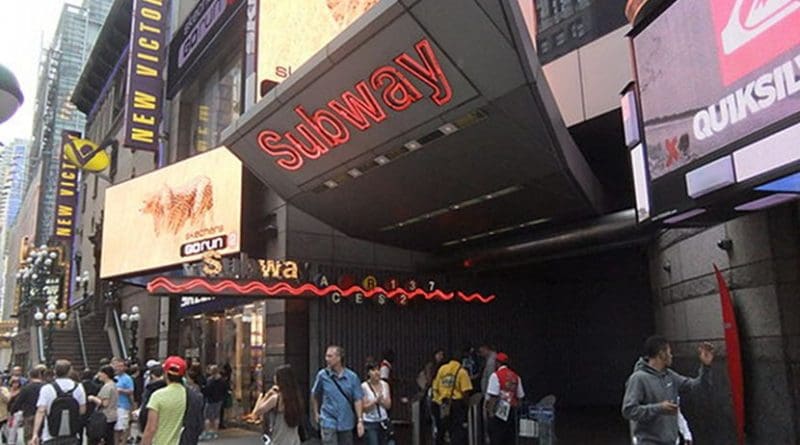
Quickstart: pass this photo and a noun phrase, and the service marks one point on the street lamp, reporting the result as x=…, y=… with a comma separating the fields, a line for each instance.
x=39, y=286
x=50, y=318
x=132, y=322
x=82, y=281
x=10, y=94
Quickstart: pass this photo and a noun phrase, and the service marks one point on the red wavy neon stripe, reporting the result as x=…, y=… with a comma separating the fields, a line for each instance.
x=257, y=287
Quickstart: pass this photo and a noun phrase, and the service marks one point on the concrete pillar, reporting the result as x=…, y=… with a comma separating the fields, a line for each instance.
x=762, y=270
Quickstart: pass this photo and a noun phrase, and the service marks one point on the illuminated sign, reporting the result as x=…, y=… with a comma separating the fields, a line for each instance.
x=87, y=155
x=744, y=60
x=219, y=288
x=192, y=39
x=752, y=33
x=241, y=276
x=145, y=71
x=66, y=193
x=173, y=215
x=214, y=265
x=281, y=49
x=324, y=129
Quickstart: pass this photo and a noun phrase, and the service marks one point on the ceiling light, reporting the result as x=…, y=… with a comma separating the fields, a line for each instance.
x=768, y=201
x=382, y=160
x=330, y=183
x=354, y=172
x=448, y=128
x=684, y=216
x=412, y=145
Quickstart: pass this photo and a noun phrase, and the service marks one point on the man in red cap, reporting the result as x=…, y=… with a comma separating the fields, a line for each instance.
x=504, y=395
x=168, y=406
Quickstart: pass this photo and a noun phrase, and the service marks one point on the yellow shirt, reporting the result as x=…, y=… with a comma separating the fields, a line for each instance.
x=447, y=385
x=170, y=404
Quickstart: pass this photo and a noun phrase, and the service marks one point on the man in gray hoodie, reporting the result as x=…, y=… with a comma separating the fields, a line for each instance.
x=652, y=393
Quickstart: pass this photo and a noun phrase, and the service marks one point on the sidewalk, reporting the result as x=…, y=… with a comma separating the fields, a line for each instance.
x=236, y=436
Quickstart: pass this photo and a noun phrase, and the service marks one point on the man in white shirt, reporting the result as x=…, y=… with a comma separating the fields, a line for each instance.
x=48, y=394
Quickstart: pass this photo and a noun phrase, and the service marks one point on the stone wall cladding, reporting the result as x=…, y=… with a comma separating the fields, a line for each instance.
x=762, y=270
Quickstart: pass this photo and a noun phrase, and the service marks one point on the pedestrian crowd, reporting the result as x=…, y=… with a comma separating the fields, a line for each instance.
x=178, y=403
x=169, y=403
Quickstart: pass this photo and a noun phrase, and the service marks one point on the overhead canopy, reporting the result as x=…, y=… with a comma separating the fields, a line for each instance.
x=462, y=141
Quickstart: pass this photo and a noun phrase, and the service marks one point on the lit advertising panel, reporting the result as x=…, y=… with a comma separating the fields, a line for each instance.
x=281, y=50
x=712, y=72
x=640, y=183
x=173, y=215
x=146, y=65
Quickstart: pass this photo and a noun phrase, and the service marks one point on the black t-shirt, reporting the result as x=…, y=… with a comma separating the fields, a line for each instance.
x=26, y=399
x=215, y=390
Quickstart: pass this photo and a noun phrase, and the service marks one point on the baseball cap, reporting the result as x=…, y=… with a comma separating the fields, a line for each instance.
x=175, y=365
x=502, y=357
x=151, y=363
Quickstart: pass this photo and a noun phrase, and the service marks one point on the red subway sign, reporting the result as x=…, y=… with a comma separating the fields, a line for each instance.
x=387, y=88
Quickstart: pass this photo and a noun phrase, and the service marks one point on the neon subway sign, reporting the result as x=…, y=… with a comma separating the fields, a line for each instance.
x=327, y=128
x=256, y=288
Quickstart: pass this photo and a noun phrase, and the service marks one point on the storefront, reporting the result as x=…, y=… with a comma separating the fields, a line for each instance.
x=256, y=324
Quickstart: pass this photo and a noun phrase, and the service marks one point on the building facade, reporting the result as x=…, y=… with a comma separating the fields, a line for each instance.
x=60, y=67
x=493, y=162
x=13, y=160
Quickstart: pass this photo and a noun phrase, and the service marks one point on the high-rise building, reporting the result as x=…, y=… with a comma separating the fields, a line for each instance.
x=13, y=161
x=13, y=164
x=60, y=67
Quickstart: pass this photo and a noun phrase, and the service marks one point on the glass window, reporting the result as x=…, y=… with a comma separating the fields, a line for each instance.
x=217, y=104
x=576, y=29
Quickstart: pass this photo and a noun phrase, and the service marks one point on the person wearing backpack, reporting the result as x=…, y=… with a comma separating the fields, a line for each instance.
x=451, y=389
x=59, y=409
x=101, y=424
x=174, y=413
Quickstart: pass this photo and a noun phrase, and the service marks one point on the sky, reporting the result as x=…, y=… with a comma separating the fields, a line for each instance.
x=25, y=26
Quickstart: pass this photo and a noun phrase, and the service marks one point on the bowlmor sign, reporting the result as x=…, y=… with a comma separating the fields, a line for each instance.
x=388, y=87
x=149, y=24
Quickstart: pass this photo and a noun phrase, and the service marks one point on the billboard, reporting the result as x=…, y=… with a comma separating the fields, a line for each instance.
x=173, y=215
x=281, y=50
x=208, y=19
x=149, y=23
x=744, y=60
x=66, y=192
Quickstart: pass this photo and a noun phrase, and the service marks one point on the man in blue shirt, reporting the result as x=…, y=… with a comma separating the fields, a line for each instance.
x=125, y=401
x=337, y=400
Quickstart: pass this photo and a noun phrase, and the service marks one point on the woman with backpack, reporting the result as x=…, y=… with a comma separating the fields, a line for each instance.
x=106, y=401
x=282, y=408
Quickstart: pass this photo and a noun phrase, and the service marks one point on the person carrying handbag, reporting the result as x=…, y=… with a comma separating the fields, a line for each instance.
x=282, y=408
x=337, y=400
x=378, y=428
x=451, y=388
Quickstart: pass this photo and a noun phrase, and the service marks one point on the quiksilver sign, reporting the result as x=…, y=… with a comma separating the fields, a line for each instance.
x=388, y=87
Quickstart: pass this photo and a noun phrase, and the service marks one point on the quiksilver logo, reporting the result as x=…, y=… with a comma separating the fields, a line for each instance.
x=751, y=18
x=767, y=89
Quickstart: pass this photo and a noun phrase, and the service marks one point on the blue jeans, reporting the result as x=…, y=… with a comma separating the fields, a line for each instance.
x=374, y=434
x=333, y=437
